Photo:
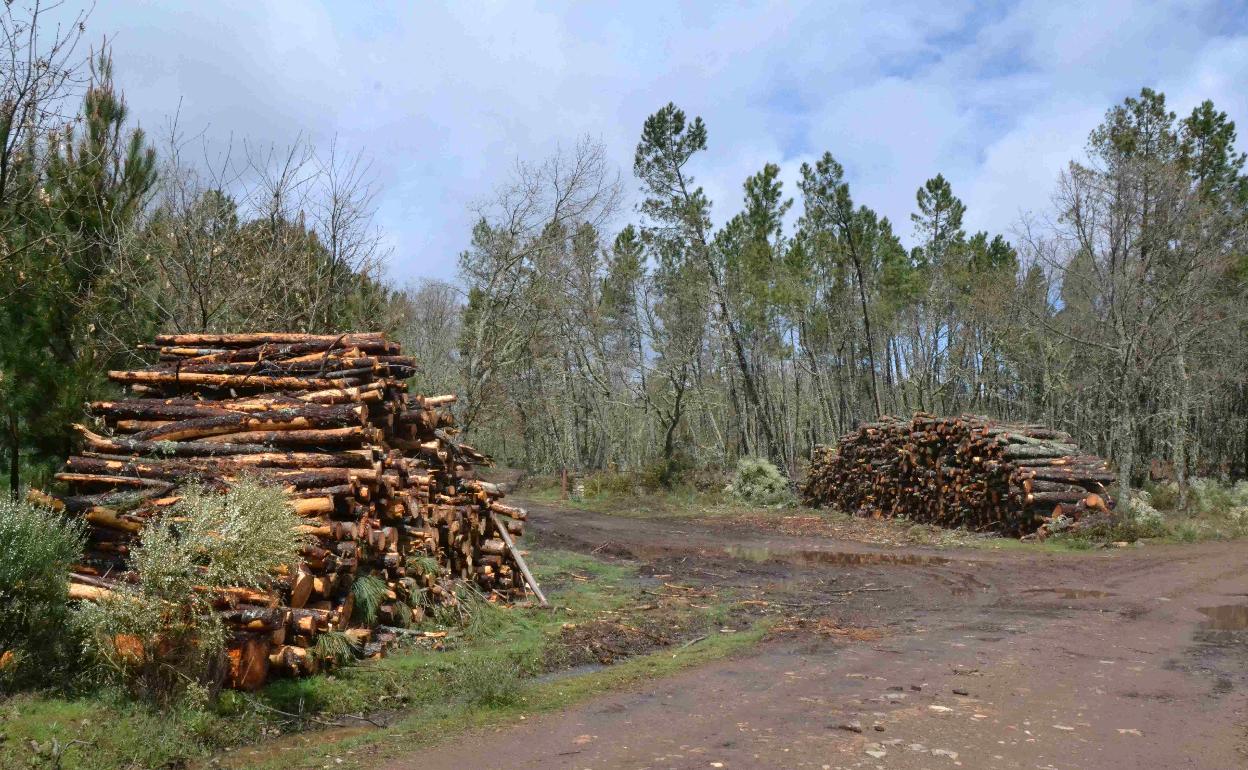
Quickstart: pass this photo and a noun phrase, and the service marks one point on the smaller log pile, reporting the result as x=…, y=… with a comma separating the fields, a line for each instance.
x=384, y=485
x=965, y=471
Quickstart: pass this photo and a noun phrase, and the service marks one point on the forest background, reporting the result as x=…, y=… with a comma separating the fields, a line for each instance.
x=586, y=332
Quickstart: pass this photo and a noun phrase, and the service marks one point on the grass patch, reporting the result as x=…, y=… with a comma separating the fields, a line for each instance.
x=625, y=495
x=1051, y=545
x=102, y=730
x=622, y=494
x=487, y=673
x=1199, y=529
x=426, y=725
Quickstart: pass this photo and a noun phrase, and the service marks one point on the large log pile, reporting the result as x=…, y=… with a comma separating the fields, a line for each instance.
x=963, y=471
x=377, y=473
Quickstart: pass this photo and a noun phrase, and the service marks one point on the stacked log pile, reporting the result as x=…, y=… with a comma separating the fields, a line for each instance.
x=963, y=471
x=376, y=472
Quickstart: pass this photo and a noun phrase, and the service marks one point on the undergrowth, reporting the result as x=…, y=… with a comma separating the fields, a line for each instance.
x=162, y=635
x=486, y=669
x=37, y=547
x=759, y=482
x=1211, y=509
x=698, y=493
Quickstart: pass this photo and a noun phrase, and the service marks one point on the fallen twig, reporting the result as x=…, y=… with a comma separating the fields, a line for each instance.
x=300, y=717
x=693, y=641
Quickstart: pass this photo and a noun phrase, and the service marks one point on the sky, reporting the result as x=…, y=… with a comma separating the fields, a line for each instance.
x=445, y=98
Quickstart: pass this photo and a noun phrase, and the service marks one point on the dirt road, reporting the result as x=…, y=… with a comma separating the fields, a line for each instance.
x=1131, y=658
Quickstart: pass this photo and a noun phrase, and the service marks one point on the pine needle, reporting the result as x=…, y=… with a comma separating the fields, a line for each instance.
x=369, y=593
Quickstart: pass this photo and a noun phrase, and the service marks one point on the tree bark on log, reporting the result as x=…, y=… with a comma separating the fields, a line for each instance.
x=191, y=379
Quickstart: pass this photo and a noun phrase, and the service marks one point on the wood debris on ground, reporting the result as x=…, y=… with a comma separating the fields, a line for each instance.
x=826, y=627
x=383, y=484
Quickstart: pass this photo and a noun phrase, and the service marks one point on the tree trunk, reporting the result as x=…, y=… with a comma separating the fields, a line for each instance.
x=866, y=323
x=1178, y=446
x=1124, y=444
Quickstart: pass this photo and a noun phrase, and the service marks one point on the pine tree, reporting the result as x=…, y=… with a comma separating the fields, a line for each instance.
x=76, y=303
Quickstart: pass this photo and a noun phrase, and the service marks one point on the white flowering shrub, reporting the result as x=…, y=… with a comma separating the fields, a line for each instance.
x=1210, y=497
x=1142, y=511
x=1238, y=510
x=758, y=482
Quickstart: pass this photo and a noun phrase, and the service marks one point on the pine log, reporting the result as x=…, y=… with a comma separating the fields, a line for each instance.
x=95, y=479
x=122, y=445
x=284, y=407
x=313, y=506
x=290, y=351
x=266, y=338
x=86, y=593
x=301, y=587
x=190, y=379
x=361, y=393
x=157, y=409
x=1038, y=450
x=345, y=458
x=353, y=436
x=309, y=416
x=105, y=517
x=248, y=662
x=272, y=367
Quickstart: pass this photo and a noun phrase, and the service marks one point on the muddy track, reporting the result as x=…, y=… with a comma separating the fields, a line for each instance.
x=1132, y=658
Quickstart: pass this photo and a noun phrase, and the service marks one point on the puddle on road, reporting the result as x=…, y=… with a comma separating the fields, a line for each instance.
x=1226, y=617
x=838, y=558
x=1071, y=593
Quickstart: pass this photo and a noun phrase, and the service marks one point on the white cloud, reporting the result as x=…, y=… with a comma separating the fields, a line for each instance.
x=445, y=98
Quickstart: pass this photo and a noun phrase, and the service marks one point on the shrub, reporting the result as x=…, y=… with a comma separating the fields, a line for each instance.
x=667, y=473
x=477, y=616
x=1163, y=496
x=162, y=634
x=492, y=681
x=1209, y=497
x=759, y=482
x=37, y=547
x=1111, y=529
x=709, y=478
x=610, y=484
x=1142, y=511
x=403, y=617
x=1214, y=510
